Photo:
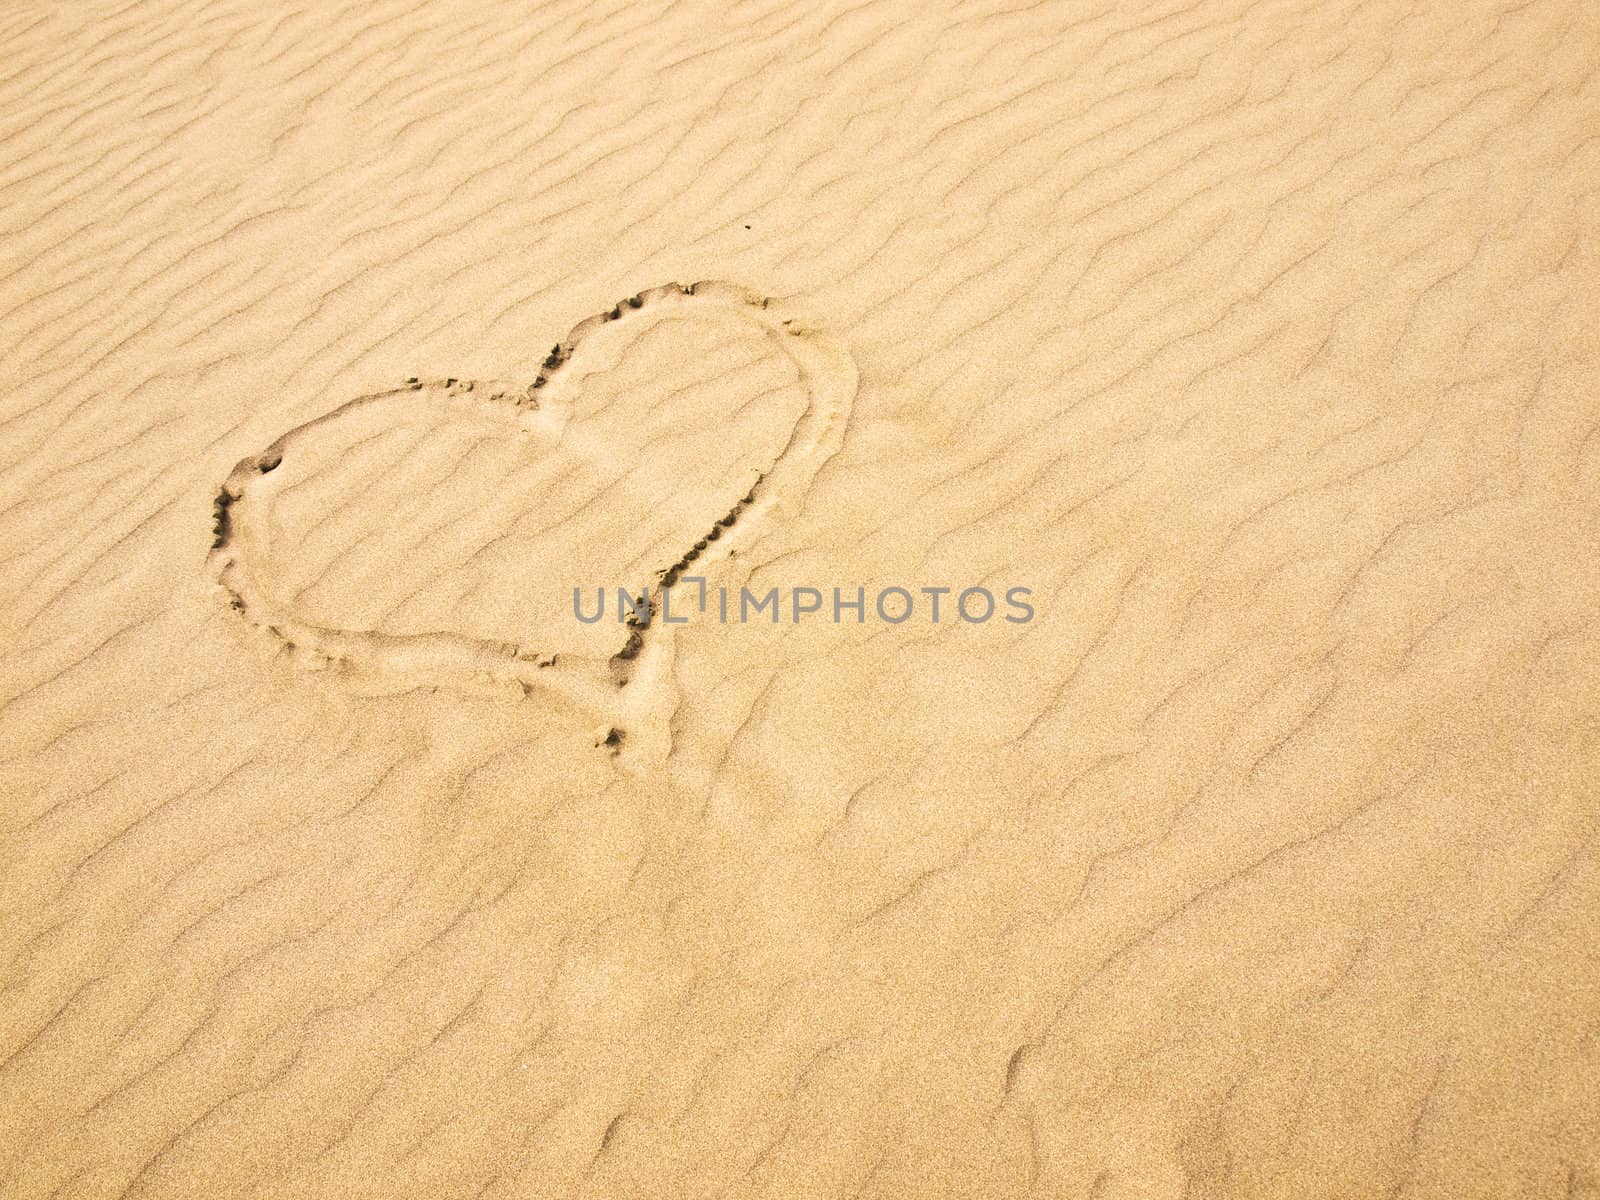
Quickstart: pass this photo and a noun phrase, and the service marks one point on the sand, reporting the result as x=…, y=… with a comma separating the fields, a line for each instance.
x=1255, y=340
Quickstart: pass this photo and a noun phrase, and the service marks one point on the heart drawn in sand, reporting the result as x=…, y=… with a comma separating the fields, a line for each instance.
x=434, y=534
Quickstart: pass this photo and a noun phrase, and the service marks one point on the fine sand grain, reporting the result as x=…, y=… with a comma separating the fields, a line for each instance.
x=1257, y=339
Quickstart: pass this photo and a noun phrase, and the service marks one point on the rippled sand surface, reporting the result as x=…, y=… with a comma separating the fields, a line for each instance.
x=1257, y=339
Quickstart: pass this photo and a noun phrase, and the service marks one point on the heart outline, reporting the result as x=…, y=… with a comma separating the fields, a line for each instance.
x=385, y=662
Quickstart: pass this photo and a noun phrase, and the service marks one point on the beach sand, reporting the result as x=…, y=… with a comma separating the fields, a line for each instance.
x=1255, y=339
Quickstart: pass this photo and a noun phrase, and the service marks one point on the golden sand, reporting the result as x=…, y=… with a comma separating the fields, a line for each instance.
x=1257, y=340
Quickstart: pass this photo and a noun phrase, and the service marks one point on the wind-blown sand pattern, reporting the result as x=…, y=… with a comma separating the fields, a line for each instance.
x=1256, y=337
